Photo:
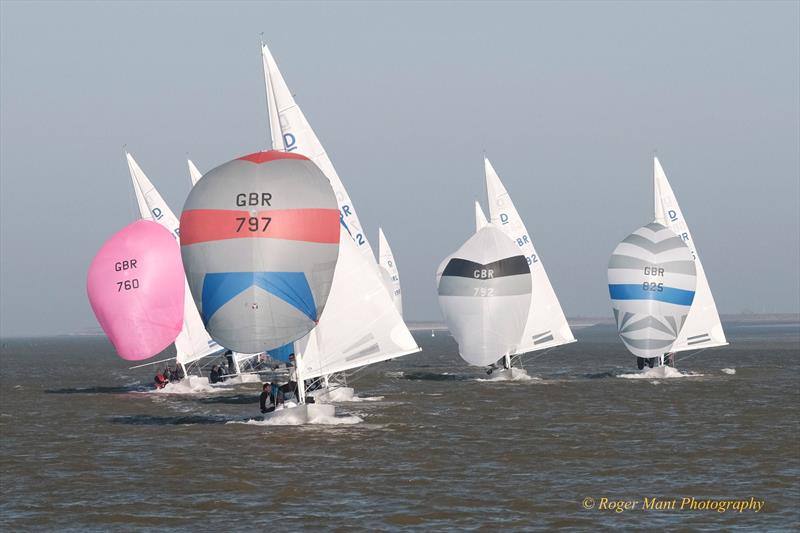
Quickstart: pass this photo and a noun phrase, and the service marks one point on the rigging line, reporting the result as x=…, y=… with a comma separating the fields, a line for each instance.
x=538, y=355
x=690, y=355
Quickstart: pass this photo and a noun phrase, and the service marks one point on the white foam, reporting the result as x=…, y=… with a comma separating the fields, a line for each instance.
x=661, y=372
x=290, y=417
x=187, y=386
x=398, y=374
x=513, y=374
x=341, y=395
x=730, y=371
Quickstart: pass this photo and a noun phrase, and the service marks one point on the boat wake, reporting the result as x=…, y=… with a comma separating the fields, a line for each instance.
x=323, y=420
x=729, y=371
x=516, y=374
x=663, y=372
x=187, y=386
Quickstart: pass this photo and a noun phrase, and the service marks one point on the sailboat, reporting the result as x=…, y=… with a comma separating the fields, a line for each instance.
x=703, y=328
x=658, y=317
x=368, y=327
x=193, y=342
x=546, y=326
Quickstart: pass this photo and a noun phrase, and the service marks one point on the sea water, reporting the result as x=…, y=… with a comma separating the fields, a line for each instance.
x=86, y=446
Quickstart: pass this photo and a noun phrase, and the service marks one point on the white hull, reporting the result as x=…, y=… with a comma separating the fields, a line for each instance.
x=333, y=394
x=293, y=414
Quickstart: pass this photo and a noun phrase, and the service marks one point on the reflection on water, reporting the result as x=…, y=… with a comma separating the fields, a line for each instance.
x=88, y=447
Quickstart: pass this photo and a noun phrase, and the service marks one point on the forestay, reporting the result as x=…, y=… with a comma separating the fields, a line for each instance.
x=703, y=328
x=485, y=296
x=388, y=268
x=193, y=342
x=651, y=282
x=290, y=131
x=360, y=324
x=547, y=326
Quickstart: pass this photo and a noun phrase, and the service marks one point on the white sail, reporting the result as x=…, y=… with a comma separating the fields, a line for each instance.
x=360, y=325
x=193, y=342
x=480, y=218
x=388, y=267
x=296, y=134
x=547, y=326
x=702, y=328
x=194, y=173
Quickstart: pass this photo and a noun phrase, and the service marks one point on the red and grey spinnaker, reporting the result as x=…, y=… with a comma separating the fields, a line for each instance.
x=260, y=242
x=136, y=290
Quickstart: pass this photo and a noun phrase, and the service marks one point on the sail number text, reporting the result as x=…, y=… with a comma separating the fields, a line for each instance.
x=253, y=223
x=128, y=284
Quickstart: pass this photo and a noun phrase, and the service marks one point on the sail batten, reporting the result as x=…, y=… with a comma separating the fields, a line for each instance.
x=546, y=315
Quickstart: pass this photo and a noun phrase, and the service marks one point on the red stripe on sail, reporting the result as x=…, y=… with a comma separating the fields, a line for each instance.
x=271, y=155
x=309, y=225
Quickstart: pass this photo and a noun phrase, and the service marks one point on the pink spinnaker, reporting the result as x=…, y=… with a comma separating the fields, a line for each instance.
x=136, y=289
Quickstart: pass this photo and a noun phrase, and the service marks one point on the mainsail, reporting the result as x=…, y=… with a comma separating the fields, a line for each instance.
x=356, y=320
x=360, y=325
x=193, y=342
x=703, y=328
x=547, y=326
x=290, y=131
x=388, y=267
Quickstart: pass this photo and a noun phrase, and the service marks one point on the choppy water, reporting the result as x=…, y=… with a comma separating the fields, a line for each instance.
x=82, y=448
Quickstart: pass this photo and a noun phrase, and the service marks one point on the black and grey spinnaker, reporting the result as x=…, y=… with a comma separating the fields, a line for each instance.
x=485, y=296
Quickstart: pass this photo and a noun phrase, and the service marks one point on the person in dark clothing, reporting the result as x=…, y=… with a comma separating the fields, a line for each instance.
x=267, y=396
x=291, y=386
x=178, y=373
x=214, y=377
x=640, y=363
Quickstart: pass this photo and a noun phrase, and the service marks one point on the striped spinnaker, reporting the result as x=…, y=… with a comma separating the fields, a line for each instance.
x=260, y=241
x=651, y=281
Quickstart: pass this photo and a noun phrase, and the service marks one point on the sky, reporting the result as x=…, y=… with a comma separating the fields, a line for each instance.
x=568, y=100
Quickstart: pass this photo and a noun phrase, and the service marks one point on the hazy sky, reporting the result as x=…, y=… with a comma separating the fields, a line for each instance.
x=569, y=100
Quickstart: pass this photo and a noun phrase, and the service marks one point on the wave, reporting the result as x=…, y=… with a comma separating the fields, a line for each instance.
x=662, y=372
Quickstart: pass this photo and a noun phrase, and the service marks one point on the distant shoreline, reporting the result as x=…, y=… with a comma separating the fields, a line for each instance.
x=587, y=321
x=574, y=322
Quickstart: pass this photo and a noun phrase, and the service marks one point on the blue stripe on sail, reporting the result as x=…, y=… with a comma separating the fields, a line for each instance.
x=282, y=353
x=637, y=292
x=292, y=287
